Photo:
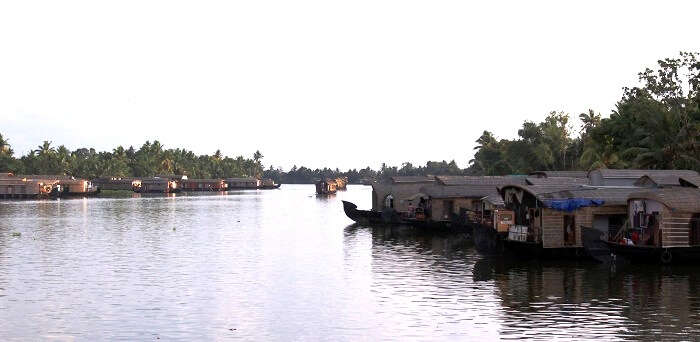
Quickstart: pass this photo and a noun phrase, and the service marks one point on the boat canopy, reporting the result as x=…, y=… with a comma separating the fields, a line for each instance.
x=571, y=204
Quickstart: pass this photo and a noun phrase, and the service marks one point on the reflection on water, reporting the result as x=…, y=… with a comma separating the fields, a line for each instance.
x=286, y=264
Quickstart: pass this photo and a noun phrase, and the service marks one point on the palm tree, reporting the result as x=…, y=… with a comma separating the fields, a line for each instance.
x=45, y=148
x=590, y=120
x=601, y=156
x=485, y=140
x=5, y=146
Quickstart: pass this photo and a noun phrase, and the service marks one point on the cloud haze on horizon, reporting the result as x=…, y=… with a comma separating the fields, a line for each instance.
x=319, y=83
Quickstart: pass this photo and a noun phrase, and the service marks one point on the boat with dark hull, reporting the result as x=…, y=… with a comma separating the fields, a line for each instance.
x=270, y=187
x=370, y=217
x=663, y=226
x=487, y=240
x=653, y=254
x=594, y=246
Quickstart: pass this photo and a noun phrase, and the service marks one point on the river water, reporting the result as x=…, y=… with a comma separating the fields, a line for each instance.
x=287, y=265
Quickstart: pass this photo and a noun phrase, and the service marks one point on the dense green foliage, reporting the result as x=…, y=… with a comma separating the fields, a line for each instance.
x=149, y=160
x=304, y=175
x=655, y=125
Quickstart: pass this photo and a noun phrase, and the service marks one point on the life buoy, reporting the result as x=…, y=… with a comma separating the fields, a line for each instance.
x=666, y=256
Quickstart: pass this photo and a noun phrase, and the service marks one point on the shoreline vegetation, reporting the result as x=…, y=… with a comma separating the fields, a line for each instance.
x=655, y=125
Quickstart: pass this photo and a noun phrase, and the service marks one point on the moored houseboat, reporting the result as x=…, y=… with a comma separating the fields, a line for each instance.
x=19, y=187
x=177, y=179
x=156, y=185
x=243, y=183
x=436, y=202
x=552, y=221
x=66, y=186
x=663, y=225
x=204, y=185
x=115, y=183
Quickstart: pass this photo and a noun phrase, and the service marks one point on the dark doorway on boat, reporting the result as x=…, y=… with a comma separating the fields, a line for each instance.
x=695, y=230
x=569, y=230
x=449, y=210
x=389, y=201
x=609, y=225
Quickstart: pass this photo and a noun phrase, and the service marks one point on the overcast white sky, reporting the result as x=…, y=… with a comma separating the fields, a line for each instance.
x=319, y=83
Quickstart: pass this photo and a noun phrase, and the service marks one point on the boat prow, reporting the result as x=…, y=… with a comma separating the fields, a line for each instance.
x=594, y=246
x=361, y=216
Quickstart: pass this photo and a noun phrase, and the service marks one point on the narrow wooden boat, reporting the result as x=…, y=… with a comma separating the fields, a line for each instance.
x=594, y=246
x=367, y=217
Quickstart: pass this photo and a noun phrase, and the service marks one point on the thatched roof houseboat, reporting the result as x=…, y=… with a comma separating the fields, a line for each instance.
x=156, y=185
x=551, y=219
x=326, y=187
x=116, y=183
x=66, y=185
x=20, y=187
x=204, y=185
x=243, y=183
x=392, y=195
x=663, y=225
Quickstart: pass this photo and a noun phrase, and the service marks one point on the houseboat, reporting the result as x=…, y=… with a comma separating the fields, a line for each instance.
x=556, y=221
x=204, y=185
x=243, y=183
x=663, y=225
x=65, y=186
x=115, y=183
x=268, y=184
x=326, y=187
x=19, y=187
x=156, y=185
x=440, y=202
x=177, y=179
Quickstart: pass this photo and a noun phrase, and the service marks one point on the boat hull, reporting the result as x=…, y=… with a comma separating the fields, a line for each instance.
x=650, y=254
x=487, y=240
x=536, y=250
x=270, y=187
x=368, y=217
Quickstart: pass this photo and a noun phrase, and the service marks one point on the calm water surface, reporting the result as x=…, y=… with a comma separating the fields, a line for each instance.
x=284, y=264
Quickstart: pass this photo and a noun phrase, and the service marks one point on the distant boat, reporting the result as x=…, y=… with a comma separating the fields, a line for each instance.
x=326, y=187
x=268, y=184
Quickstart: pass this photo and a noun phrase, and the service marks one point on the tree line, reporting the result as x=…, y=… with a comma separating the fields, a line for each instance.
x=304, y=175
x=149, y=160
x=655, y=125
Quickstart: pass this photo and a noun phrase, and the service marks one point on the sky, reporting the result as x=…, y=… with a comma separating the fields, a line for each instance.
x=344, y=84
